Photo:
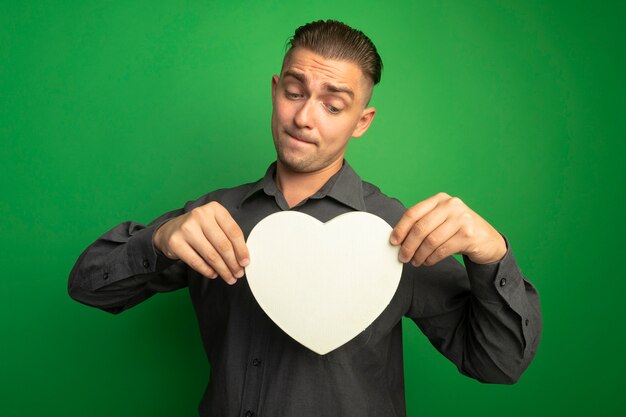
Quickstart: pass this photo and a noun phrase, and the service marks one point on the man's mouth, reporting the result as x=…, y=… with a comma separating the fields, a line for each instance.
x=301, y=139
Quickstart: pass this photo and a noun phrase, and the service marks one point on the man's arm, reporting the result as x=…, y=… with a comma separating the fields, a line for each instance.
x=485, y=317
x=132, y=262
x=123, y=268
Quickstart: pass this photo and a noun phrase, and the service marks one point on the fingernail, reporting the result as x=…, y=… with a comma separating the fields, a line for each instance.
x=239, y=273
x=393, y=240
x=232, y=281
x=402, y=258
x=244, y=262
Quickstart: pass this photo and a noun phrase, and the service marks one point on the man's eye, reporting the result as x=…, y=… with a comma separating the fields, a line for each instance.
x=292, y=95
x=332, y=109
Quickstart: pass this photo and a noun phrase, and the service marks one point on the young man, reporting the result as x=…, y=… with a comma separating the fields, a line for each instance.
x=485, y=317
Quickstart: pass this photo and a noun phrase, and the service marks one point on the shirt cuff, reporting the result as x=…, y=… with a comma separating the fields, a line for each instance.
x=138, y=258
x=148, y=259
x=495, y=280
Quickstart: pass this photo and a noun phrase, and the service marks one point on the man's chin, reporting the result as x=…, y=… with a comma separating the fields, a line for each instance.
x=299, y=167
x=296, y=165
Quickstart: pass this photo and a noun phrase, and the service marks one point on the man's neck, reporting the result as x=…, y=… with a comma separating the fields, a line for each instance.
x=297, y=186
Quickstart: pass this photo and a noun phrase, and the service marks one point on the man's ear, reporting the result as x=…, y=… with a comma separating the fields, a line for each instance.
x=364, y=122
x=274, y=84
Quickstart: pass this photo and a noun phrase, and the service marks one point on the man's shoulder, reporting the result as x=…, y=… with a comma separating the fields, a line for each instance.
x=389, y=208
x=229, y=197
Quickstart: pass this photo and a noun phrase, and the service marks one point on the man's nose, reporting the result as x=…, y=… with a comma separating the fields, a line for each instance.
x=304, y=117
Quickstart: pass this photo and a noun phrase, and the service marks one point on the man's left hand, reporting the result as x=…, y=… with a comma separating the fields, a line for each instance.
x=441, y=226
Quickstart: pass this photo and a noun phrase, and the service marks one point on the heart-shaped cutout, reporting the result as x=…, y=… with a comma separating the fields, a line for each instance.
x=322, y=283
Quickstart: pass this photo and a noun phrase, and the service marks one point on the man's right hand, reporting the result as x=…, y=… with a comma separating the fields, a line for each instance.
x=208, y=240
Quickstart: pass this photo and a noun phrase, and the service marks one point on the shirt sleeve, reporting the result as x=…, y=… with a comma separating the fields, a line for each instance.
x=485, y=318
x=123, y=268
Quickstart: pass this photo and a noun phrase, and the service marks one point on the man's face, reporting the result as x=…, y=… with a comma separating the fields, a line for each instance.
x=318, y=105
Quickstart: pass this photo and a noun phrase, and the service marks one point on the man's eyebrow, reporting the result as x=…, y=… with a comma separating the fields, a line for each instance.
x=335, y=89
x=297, y=75
x=327, y=86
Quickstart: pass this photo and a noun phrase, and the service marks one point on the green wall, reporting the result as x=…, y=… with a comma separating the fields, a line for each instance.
x=124, y=110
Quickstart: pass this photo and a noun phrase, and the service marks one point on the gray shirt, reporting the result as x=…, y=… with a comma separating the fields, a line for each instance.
x=484, y=318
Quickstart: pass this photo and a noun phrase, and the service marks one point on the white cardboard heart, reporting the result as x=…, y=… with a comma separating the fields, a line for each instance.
x=322, y=283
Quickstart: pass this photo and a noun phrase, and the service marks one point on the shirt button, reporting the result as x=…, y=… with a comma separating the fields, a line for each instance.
x=146, y=264
x=105, y=275
x=256, y=361
x=503, y=282
x=249, y=413
x=527, y=322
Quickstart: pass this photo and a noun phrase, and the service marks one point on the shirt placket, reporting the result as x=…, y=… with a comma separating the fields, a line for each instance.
x=255, y=368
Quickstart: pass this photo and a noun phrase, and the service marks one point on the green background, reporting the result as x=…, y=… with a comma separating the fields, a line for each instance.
x=112, y=111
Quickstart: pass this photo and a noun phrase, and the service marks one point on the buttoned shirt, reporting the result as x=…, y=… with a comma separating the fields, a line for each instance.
x=484, y=318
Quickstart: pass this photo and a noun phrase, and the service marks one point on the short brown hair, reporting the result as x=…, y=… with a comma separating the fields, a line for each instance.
x=335, y=40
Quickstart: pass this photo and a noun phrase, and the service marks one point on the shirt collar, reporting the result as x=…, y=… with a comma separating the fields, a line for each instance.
x=345, y=186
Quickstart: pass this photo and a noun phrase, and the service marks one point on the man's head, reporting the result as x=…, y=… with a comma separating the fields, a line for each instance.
x=320, y=98
x=335, y=40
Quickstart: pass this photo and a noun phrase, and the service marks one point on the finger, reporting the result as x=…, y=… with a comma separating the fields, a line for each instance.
x=235, y=235
x=419, y=233
x=449, y=247
x=220, y=243
x=211, y=256
x=437, y=241
x=189, y=256
x=413, y=214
